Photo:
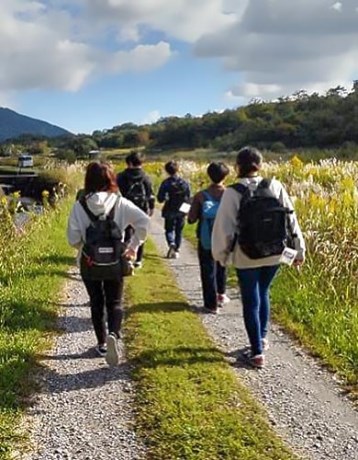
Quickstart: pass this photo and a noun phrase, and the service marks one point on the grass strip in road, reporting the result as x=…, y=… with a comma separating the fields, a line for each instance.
x=189, y=402
x=30, y=279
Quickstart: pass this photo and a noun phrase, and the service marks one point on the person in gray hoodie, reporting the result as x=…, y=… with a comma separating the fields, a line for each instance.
x=254, y=274
x=101, y=196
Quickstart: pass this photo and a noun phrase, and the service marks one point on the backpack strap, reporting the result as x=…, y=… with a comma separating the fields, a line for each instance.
x=265, y=183
x=93, y=217
x=239, y=188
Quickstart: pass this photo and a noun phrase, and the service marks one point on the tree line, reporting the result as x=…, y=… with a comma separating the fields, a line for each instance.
x=301, y=120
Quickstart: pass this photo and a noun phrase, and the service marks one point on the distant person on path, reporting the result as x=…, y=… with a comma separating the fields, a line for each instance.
x=203, y=210
x=103, y=208
x=173, y=192
x=136, y=186
x=254, y=222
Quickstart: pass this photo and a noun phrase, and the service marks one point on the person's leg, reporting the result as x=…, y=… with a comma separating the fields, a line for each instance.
x=179, y=226
x=220, y=278
x=140, y=253
x=113, y=290
x=267, y=274
x=169, y=227
x=207, y=274
x=249, y=286
x=96, y=295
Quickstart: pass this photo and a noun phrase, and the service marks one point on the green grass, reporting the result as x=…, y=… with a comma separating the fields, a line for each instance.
x=189, y=402
x=29, y=287
x=326, y=325
x=328, y=330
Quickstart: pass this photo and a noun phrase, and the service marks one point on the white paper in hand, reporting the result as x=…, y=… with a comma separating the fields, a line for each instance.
x=288, y=256
x=184, y=208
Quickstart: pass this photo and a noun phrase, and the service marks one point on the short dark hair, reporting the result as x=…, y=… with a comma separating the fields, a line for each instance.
x=171, y=167
x=217, y=171
x=100, y=177
x=135, y=159
x=248, y=160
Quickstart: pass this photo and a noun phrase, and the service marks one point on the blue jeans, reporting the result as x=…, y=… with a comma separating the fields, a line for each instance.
x=213, y=277
x=173, y=225
x=255, y=288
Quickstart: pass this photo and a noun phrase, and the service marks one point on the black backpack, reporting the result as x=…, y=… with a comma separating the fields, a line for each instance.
x=263, y=225
x=137, y=194
x=178, y=194
x=101, y=257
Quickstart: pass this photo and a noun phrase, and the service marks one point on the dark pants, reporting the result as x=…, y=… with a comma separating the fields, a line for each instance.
x=127, y=236
x=173, y=225
x=255, y=289
x=105, y=294
x=213, y=277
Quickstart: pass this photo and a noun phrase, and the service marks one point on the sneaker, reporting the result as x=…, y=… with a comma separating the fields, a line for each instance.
x=138, y=264
x=176, y=255
x=112, y=355
x=101, y=350
x=265, y=344
x=171, y=251
x=212, y=311
x=222, y=299
x=257, y=361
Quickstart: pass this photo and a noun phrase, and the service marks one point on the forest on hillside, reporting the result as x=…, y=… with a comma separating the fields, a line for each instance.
x=301, y=120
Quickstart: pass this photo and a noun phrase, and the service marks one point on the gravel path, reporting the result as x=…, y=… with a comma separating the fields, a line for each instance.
x=304, y=402
x=84, y=410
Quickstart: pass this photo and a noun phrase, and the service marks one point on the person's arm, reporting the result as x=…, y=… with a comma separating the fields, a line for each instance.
x=149, y=194
x=195, y=209
x=121, y=182
x=163, y=190
x=74, y=235
x=225, y=226
x=295, y=228
x=137, y=219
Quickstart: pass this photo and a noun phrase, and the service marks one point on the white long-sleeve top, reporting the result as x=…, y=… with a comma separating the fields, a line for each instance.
x=126, y=213
x=226, y=227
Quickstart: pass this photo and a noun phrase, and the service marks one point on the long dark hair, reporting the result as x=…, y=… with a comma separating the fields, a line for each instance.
x=100, y=177
x=248, y=161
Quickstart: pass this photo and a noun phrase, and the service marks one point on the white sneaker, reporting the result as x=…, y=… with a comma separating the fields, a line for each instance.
x=176, y=255
x=222, y=299
x=112, y=355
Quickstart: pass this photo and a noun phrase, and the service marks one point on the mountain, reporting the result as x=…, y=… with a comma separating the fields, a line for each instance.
x=13, y=124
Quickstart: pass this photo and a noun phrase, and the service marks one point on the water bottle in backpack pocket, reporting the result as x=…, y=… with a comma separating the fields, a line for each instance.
x=209, y=210
x=263, y=225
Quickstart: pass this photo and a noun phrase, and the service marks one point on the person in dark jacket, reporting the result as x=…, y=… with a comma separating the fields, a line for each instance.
x=136, y=186
x=173, y=192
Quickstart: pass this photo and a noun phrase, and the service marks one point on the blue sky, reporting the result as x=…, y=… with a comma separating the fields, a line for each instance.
x=93, y=64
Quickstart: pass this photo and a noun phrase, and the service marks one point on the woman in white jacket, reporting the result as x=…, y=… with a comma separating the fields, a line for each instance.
x=254, y=275
x=101, y=195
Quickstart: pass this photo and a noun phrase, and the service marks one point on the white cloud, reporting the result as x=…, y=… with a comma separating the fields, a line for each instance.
x=151, y=117
x=337, y=6
x=44, y=47
x=278, y=47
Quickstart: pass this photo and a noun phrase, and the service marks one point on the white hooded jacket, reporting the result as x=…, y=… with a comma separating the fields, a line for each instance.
x=226, y=227
x=101, y=203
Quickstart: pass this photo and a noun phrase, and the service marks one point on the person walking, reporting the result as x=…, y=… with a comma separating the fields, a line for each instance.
x=254, y=223
x=96, y=226
x=203, y=210
x=173, y=192
x=136, y=186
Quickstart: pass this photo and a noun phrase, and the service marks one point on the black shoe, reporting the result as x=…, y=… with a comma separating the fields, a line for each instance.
x=101, y=350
